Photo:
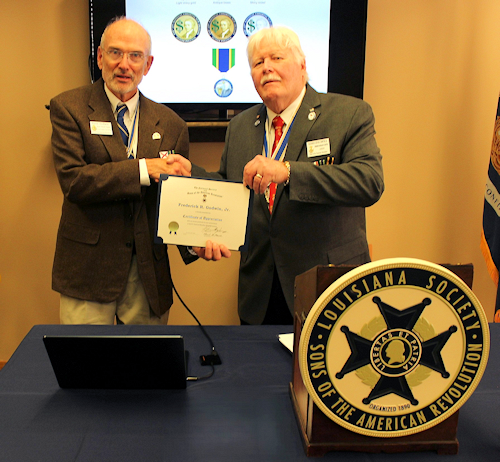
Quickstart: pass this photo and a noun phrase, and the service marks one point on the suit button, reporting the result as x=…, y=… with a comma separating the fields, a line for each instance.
x=129, y=244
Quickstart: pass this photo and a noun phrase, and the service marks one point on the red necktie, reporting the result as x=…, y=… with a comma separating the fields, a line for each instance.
x=278, y=131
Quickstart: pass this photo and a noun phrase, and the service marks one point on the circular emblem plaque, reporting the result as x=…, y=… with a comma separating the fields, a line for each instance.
x=256, y=22
x=221, y=27
x=223, y=88
x=394, y=347
x=186, y=27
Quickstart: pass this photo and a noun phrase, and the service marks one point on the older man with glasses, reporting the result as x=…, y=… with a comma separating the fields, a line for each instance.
x=110, y=145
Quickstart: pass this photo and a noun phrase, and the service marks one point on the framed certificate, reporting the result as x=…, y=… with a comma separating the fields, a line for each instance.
x=194, y=210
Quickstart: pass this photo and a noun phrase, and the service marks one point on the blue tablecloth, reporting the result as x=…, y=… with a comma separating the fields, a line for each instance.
x=242, y=413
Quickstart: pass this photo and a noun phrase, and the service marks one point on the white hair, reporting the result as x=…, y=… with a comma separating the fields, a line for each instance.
x=281, y=36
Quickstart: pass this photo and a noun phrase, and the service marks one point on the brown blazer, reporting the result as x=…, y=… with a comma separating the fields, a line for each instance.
x=106, y=213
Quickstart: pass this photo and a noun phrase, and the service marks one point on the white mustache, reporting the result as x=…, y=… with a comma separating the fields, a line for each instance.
x=267, y=78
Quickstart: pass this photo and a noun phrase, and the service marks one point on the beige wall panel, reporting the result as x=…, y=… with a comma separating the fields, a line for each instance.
x=432, y=77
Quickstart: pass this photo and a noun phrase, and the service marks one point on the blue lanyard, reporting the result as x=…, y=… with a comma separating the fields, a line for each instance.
x=131, y=137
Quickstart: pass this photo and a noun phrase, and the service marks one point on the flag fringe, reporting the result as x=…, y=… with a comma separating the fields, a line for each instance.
x=485, y=249
x=492, y=269
x=497, y=316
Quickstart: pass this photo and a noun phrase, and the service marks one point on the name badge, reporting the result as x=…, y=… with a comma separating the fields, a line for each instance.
x=101, y=128
x=318, y=147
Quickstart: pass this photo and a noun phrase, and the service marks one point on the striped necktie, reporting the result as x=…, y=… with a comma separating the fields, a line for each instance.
x=121, y=110
x=278, y=131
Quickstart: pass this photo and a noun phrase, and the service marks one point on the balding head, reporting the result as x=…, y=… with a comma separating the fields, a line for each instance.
x=124, y=56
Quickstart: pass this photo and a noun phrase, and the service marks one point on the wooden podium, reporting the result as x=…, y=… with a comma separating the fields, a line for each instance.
x=320, y=434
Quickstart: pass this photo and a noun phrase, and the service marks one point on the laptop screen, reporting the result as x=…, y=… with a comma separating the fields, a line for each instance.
x=118, y=361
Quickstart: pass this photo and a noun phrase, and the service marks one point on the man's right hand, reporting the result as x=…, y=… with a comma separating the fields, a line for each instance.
x=174, y=164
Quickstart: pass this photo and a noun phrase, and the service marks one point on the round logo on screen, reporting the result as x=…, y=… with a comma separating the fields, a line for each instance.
x=221, y=27
x=256, y=22
x=394, y=347
x=223, y=88
x=186, y=27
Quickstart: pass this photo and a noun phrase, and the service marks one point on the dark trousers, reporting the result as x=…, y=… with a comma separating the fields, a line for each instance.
x=277, y=309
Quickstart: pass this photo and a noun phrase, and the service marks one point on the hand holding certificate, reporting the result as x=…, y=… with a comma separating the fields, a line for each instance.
x=193, y=210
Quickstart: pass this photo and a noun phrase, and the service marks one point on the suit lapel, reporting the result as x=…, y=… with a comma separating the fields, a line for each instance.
x=101, y=111
x=307, y=115
x=256, y=143
x=148, y=117
x=150, y=133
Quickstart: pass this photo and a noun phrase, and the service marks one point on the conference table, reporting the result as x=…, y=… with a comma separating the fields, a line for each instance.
x=242, y=413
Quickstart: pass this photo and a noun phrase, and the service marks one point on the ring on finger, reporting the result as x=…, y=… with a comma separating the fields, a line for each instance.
x=258, y=175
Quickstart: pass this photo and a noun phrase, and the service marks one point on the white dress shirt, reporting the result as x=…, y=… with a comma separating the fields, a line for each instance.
x=129, y=118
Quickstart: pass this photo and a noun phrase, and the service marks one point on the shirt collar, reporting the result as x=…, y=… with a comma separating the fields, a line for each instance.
x=131, y=103
x=288, y=114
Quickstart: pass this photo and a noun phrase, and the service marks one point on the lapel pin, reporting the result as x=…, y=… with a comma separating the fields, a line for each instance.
x=312, y=114
x=156, y=136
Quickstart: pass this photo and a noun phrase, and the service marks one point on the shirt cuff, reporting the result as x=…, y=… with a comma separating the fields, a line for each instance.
x=143, y=172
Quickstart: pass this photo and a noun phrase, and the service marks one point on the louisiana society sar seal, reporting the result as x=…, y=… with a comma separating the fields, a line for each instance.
x=394, y=347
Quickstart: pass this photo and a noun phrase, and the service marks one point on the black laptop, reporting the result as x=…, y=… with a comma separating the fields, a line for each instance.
x=118, y=361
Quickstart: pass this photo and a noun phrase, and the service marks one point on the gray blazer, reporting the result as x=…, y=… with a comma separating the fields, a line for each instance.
x=105, y=211
x=319, y=218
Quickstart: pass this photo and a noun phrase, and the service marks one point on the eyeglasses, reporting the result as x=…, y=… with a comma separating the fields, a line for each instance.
x=117, y=55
